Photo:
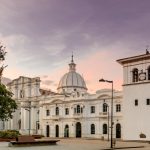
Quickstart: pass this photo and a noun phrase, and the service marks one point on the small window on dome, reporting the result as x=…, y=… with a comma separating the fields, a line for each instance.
x=75, y=89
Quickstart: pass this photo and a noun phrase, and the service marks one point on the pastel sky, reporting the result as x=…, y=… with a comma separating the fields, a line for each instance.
x=40, y=36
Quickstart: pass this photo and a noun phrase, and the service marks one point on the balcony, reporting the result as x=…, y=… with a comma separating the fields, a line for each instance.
x=77, y=115
x=103, y=114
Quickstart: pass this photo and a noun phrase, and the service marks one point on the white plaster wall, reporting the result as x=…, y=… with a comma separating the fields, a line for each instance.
x=136, y=118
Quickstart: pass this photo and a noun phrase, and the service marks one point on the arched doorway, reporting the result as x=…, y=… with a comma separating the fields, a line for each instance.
x=78, y=129
x=47, y=130
x=57, y=130
x=66, y=131
x=118, y=130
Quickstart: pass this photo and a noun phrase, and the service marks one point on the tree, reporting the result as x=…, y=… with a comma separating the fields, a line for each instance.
x=7, y=104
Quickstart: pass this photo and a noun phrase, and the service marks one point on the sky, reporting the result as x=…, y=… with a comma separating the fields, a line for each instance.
x=41, y=35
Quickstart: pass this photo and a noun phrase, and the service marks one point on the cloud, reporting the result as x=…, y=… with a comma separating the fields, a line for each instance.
x=47, y=82
x=41, y=35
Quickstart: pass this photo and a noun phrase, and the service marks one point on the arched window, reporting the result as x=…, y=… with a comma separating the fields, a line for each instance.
x=148, y=73
x=92, y=129
x=104, y=128
x=78, y=108
x=135, y=75
x=104, y=107
x=57, y=110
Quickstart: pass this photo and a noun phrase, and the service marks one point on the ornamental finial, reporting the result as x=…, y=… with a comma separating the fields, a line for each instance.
x=72, y=58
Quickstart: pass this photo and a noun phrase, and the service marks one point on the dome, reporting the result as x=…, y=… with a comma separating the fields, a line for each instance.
x=72, y=81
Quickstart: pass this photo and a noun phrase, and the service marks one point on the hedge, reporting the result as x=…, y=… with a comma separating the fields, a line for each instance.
x=10, y=134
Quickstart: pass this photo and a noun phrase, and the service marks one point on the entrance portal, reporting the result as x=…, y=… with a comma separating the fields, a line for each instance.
x=47, y=130
x=66, y=131
x=57, y=130
x=118, y=130
x=78, y=129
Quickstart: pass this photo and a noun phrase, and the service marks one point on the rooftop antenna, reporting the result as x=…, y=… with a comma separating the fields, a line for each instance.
x=147, y=47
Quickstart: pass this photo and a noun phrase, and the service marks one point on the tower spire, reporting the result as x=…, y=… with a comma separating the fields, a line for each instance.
x=72, y=65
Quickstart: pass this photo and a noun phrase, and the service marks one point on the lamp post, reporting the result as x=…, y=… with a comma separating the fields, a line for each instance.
x=108, y=117
x=111, y=117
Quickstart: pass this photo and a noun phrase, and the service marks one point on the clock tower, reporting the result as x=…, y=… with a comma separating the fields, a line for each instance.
x=136, y=97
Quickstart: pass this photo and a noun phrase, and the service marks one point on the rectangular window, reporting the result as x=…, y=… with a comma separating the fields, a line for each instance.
x=66, y=111
x=136, y=102
x=92, y=109
x=47, y=112
x=118, y=108
x=148, y=101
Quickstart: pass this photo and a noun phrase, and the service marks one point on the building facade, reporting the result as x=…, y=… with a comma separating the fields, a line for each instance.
x=136, y=97
x=69, y=112
x=73, y=112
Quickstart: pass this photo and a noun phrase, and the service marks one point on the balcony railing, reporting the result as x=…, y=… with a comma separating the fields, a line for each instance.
x=78, y=115
x=103, y=114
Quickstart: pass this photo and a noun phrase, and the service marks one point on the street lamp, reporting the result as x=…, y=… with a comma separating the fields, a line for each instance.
x=108, y=117
x=102, y=80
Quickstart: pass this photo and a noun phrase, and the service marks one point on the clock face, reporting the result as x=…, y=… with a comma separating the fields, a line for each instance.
x=142, y=76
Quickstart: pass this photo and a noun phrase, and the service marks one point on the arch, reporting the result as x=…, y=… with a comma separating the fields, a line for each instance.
x=104, y=96
x=57, y=130
x=118, y=130
x=148, y=73
x=78, y=130
x=47, y=130
x=57, y=110
x=66, y=131
x=92, y=128
x=104, y=128
x=135, y=75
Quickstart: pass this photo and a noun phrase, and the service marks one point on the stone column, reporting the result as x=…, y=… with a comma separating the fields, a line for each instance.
x=33, y=117
x=25, y=117
x=42, y=126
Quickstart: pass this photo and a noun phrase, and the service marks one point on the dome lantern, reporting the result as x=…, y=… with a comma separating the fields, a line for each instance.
x=72, y=65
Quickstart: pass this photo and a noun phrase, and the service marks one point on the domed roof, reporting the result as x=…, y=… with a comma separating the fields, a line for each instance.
x=71, y=81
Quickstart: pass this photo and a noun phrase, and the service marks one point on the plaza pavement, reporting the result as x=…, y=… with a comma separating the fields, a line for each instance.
x=79, y=144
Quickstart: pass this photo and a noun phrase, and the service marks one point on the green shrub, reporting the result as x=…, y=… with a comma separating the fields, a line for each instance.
x=9, y=134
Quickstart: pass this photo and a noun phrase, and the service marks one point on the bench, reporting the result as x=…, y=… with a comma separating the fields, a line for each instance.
x=26, y=140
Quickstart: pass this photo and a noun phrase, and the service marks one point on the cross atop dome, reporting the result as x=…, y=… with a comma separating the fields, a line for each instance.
x=72, y=65
x=72, y=61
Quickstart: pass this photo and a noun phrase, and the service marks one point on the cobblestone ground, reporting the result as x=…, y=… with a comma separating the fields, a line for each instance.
x=77, y=144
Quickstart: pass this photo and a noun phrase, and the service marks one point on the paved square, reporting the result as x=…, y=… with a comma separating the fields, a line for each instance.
x=78, y=144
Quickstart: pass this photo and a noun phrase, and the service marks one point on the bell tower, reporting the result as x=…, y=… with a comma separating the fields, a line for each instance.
x=136, y=97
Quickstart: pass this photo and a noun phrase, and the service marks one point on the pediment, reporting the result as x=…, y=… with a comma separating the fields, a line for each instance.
x=104, y=96
x=56, y=101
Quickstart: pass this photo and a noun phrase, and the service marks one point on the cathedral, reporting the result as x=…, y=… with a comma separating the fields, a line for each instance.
x=73, y=112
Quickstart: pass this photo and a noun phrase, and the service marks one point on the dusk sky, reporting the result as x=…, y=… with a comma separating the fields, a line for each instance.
x=40, y=36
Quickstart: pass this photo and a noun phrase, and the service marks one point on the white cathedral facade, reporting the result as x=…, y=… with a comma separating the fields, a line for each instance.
x=73, y=112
